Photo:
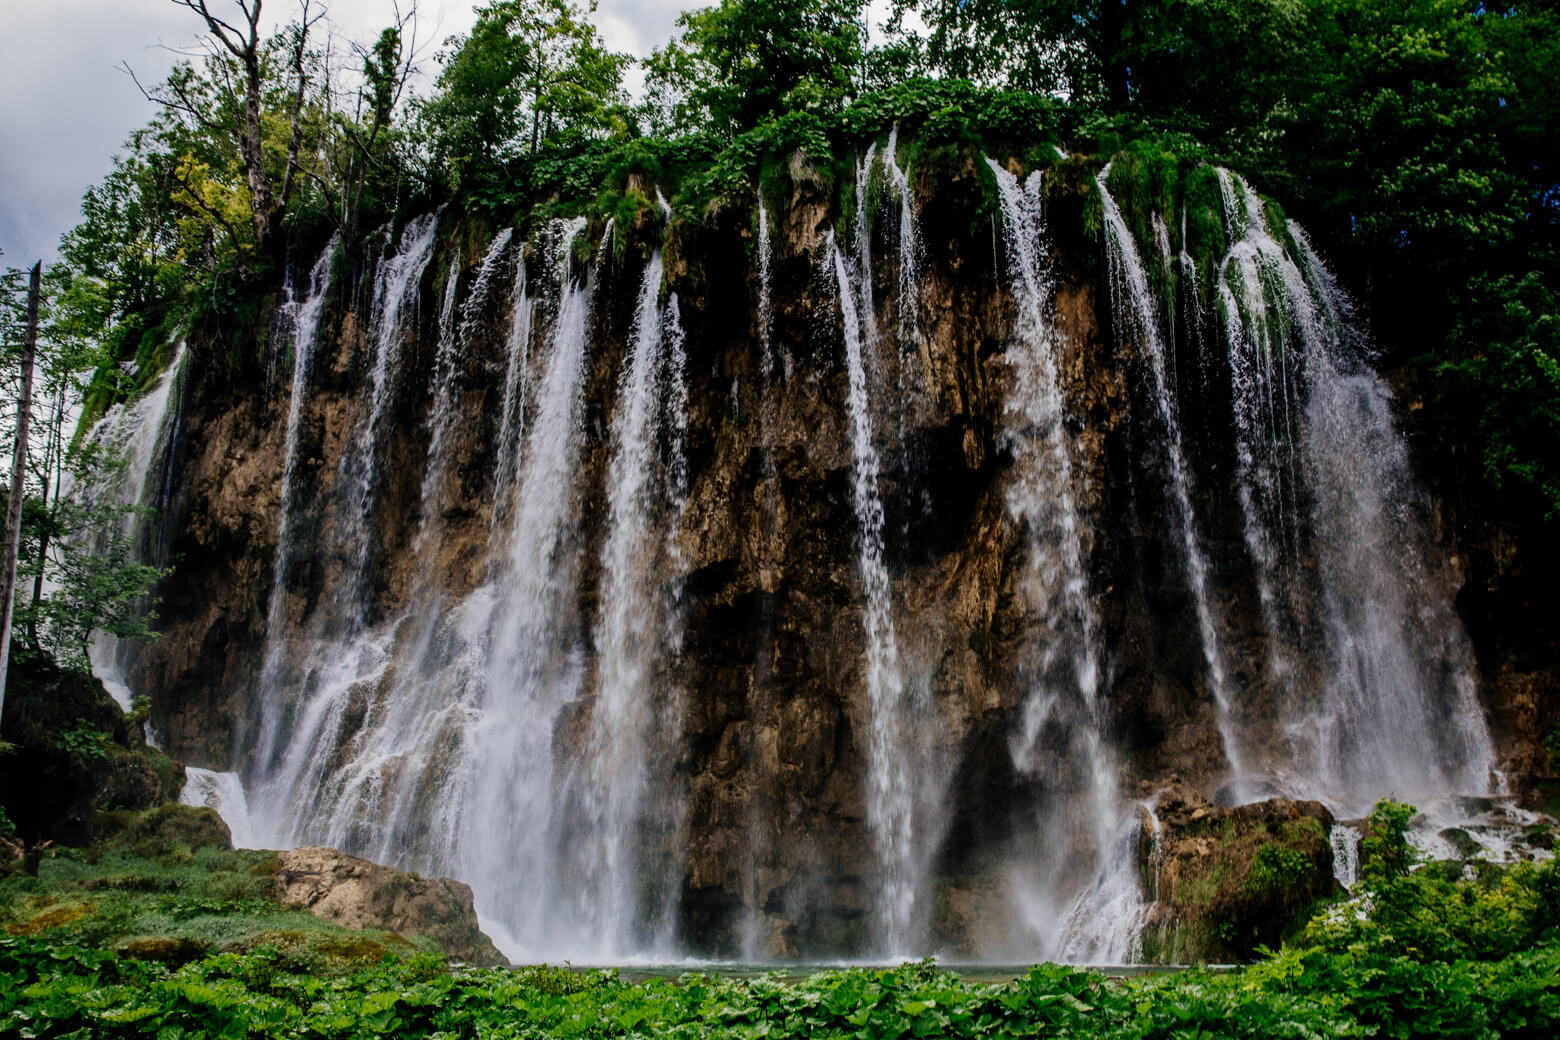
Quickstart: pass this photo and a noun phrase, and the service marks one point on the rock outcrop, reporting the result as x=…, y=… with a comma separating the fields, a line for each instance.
x=1228, y=880
x=357, y=894
x=75, y=755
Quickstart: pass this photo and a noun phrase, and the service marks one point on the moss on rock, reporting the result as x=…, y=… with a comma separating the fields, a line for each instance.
x=1228, y=880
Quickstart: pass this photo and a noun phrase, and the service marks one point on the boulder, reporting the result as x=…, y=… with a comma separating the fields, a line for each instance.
x=75, y=755
x=356, y=893
x=1226, y=880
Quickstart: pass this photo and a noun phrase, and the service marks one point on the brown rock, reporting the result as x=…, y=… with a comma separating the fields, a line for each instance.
x=355, y=893
x=1227, y=880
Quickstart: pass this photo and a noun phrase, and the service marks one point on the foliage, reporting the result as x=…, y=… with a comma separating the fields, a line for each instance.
x=531, y=74
x=1277, y=867
x=83, y=740
x=1387, y=852
x=170, y=940
x=78, y=572
x=742, y=60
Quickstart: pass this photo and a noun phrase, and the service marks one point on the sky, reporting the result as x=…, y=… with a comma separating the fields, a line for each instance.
x=66, y=108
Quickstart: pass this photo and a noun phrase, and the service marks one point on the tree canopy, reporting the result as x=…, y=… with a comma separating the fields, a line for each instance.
x=531, y=74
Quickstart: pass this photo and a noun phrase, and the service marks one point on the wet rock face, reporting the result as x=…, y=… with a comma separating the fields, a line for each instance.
x=357, y=894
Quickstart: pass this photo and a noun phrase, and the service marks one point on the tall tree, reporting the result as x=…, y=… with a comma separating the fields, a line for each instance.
x=531, y=72
x=13, y=512
x=238, y=58
x=741, y=60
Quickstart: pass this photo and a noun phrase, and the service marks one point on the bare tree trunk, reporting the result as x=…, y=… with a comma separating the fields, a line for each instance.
x=13, y=514
x=54, y=465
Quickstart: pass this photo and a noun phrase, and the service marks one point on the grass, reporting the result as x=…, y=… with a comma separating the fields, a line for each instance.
x=144, y=892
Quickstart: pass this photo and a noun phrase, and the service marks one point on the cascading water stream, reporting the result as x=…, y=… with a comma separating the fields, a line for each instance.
x=1326, y=501
x=529, y=664
x=615, y=780
x=1136, y=309
x=890, y=786
x=1064, y=673
x=306, y=333
x=304, y=705
x=517, y=355
x=1400, y=711
x=451, y=336
x=141, y=436
x=1256, y=341
x=766, y=305
x=1345, y=842
x=223, y=792
x=395, y=290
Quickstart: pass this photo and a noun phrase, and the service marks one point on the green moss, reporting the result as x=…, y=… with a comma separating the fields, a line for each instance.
x=1275, y=868
x=1201, y=888
x=168, y=829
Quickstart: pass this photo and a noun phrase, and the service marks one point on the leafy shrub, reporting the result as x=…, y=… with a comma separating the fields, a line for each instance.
x=1387, y=851
x=84, y=740
x=1277, y=867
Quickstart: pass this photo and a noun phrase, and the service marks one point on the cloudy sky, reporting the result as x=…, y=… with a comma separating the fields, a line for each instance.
x=65, y=108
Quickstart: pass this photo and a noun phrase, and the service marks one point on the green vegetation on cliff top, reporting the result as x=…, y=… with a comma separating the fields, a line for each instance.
x=1413, y=138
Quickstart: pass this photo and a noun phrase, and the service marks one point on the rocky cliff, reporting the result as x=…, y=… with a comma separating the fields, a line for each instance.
x=874, y=548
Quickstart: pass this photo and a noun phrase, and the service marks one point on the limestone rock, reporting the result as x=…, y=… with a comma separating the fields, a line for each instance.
x=356, y=893
x=1227, y=880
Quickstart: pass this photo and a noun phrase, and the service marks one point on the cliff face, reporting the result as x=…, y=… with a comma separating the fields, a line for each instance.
x=756, y=668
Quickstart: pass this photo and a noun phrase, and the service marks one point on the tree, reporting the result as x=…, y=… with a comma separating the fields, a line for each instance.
x=78, y=571
x=742, y=60
x=531, y=72
x=13, y=514
x=1054, y=47
x=237, y=61
x=386, y=68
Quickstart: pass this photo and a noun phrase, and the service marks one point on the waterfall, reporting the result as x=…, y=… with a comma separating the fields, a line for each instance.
x=1401, y=711
x=474, y=661
x=766, y=304
x=140, y=437
x=395, y=289
x=314, y=683
x=1135, y=309
x=1345, y=842
x=306, y=317
x=223, y=792
x=1062, y=732
x=517, y=356
x=615, y=771
x=1327, y=500
x=890, y=786
x=530, y=665
x=1261, y=392
x=451, y=337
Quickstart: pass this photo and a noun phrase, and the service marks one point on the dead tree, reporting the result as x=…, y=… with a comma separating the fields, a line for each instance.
x=240, y=39
x=13, y=513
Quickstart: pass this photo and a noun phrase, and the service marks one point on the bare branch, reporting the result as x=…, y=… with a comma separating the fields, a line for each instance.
x=220, y=28
x=304, y=23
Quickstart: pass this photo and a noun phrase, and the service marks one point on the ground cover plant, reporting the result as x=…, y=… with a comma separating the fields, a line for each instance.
x=137, y=939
